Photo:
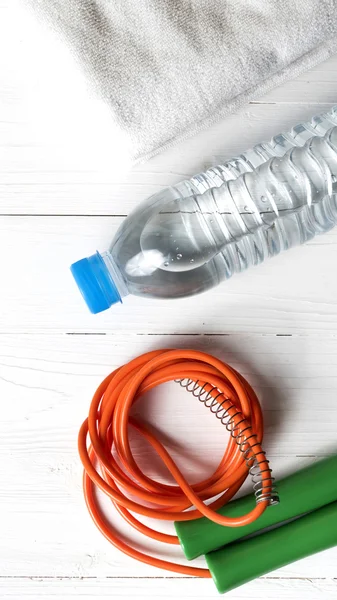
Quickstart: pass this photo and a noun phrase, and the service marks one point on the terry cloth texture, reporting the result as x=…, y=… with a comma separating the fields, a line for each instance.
x=171, y=67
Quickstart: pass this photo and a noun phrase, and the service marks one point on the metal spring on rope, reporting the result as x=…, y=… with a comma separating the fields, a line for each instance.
x=264, y=489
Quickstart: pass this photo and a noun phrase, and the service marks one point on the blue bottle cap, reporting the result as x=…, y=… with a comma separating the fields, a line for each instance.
x=95, y=283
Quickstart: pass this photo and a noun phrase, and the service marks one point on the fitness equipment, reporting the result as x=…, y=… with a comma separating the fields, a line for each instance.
x=229, y=396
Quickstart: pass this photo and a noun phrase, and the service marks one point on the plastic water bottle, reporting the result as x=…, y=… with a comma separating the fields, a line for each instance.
x=190, y=237
x=254, y=157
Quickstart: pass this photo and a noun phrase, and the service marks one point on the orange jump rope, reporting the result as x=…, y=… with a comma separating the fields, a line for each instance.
x=107, y=429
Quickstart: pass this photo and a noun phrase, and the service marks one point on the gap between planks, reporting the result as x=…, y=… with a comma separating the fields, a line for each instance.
x=161, y=577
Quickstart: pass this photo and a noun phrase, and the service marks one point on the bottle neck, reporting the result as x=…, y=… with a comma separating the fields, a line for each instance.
x=115, y=274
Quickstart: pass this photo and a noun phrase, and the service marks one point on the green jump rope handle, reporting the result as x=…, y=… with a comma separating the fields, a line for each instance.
x=300, y=493
x=245, y=560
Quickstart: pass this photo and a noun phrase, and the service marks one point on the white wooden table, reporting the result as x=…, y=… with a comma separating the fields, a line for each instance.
x=64, y=189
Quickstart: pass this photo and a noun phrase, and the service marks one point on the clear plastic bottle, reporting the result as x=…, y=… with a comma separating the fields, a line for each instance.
x=256, y=156
x=185, y=239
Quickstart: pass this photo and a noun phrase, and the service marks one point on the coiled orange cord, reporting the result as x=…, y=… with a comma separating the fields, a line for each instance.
x=107, y=427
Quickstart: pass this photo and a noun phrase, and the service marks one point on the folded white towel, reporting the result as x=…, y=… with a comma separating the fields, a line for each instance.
x=171, y=67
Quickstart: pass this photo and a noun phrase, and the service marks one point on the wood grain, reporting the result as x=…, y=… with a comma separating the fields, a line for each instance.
x=77, y=178
x=47, y=382
x=293, y=293
x=169, y=589
x=66, y=179
x=60, y=152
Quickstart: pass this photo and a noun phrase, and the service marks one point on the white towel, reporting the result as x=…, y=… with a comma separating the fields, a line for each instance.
x=171, y=67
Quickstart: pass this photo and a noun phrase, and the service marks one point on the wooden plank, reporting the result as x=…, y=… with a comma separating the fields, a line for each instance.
x=47, y=382
x=62, y=153
x=47, y=172
x=293, y=293
x=95, y=589
x=317, y=84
